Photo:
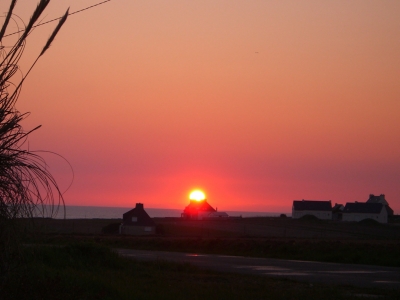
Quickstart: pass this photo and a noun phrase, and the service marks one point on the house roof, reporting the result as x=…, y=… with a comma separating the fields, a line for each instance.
x=143, y=219
x=198, y=206
x=361, y=207
x=316, y=205
x=380, y=199
x=377, y=199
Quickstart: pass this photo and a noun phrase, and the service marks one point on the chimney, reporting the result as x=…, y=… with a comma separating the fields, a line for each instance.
x=139, y=205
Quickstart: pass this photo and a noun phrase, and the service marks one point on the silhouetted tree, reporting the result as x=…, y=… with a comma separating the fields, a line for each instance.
x=26, y=186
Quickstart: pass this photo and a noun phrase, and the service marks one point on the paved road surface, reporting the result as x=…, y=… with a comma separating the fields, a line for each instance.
x=331, y=273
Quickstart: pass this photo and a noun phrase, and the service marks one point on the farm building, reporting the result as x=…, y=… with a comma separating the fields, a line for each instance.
x=137, y=222
x=320, y=209
x=359, y=211
x=199, y=210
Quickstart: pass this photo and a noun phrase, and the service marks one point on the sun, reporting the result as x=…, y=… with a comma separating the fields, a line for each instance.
x=197, y=195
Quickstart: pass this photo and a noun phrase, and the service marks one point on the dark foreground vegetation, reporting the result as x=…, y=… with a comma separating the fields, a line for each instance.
x=354, y=243
x=90, y=271
x=368, y=252
x=73, y=259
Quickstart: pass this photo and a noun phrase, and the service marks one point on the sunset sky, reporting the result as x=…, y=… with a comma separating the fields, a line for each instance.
x=257, y=103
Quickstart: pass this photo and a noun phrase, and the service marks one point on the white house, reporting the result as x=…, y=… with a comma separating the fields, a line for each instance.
x=381, y=199
x=320, y=209
x=358, y=211
x=137, y=222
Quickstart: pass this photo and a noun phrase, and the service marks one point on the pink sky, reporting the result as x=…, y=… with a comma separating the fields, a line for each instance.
x=258, y=103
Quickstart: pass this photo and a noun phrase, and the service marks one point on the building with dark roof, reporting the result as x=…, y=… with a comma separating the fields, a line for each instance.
x=380, y=199
x=198, y=210
x=318, y=208
x=358, y=211
x=137, y=222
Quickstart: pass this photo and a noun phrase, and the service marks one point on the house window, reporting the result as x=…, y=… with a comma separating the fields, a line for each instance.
x=134, y=219
x=147, y=229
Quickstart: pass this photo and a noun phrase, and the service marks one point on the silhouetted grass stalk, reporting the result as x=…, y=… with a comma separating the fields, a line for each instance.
x=26, y=185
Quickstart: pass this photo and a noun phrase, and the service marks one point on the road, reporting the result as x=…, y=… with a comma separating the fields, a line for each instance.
x=309, y=271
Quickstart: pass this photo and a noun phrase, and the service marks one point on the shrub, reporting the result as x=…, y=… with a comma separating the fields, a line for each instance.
x=309, y=218
x=369, y=222
x=112, y=228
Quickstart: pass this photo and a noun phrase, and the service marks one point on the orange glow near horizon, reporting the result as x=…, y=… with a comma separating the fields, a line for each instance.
x=197, y=195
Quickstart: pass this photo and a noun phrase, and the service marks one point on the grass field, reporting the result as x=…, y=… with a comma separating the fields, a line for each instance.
x=72, y=259
x=271, y=227
x=315, y=240
x=90, y=271
x=370, y=252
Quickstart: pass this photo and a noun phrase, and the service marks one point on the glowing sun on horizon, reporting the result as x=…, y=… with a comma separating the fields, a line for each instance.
x=197, y=195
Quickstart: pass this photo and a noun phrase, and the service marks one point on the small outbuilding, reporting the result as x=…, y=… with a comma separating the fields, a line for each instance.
x=318, y=208
x=137, y=222
x=217, y=214
x=337, y=212
x=358, y=211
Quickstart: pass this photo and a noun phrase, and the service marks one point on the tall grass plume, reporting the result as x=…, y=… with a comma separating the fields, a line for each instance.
x=26, y=185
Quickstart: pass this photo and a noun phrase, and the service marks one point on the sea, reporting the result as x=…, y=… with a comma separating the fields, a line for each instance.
x=101, y=212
